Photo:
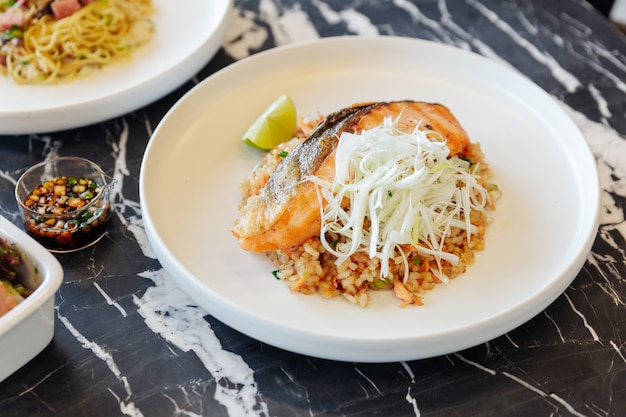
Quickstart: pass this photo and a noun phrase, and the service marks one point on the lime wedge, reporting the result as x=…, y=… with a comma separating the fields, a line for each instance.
x=276, y=125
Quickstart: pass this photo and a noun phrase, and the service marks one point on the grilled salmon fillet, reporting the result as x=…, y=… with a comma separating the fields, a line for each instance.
x=286, y=212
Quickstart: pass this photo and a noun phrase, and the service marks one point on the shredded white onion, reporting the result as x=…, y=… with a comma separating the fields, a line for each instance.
x=406, y=188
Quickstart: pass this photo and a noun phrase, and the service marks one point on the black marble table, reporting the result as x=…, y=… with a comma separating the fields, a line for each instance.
x=128, y=342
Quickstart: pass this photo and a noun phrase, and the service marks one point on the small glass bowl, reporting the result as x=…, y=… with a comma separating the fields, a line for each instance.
x=81, y=224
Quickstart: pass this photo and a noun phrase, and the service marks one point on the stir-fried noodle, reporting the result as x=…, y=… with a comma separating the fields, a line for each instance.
x=50, y=50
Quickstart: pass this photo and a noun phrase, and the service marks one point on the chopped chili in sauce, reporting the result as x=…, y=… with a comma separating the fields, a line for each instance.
x=67, y=213
x=62, y=195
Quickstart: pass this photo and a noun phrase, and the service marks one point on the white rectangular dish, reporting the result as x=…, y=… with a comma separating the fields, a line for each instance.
x=29, y=327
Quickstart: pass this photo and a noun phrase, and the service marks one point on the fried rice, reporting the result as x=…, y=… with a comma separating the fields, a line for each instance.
x=310, y=269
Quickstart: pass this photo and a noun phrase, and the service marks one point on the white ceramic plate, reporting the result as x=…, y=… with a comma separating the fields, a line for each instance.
x=544, y=225
x=28, y=328
x=188, y=34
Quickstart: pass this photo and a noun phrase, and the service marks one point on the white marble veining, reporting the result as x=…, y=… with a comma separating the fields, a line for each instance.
x=171, y=314
x=127, y=406
x=568, y=80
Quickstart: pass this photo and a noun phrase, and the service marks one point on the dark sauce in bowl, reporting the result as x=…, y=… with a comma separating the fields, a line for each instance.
x=69, y=212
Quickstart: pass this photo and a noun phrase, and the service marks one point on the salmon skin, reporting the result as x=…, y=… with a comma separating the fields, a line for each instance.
x=286, y=212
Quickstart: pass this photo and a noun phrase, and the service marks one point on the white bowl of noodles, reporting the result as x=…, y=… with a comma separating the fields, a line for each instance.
x=181, y=45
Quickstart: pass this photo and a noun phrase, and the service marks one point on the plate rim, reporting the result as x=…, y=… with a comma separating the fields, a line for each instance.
x=191, y=284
